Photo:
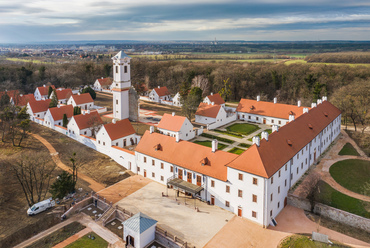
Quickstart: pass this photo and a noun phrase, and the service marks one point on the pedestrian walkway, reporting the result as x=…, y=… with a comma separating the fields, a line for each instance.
x=95, y=186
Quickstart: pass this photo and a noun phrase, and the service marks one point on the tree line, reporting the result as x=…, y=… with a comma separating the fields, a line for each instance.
x=345, y=57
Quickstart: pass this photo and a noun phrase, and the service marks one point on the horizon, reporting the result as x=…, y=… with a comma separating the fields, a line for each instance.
x=203, y=20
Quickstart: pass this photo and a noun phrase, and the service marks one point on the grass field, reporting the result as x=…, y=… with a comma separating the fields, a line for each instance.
x=207, y=135
x=259, y=135
x=348, y=149
x=86, y=242
x=36, y=61
x=352, y=174
x=242, y=128
x=244, y=145
x=301, y=61
x=58, y=236
x=208, y=143
x=236, y=150
x=329, y=196
x=300, y=241
x=236, y=135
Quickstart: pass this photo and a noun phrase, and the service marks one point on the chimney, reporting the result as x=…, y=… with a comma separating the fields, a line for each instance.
x=102, y=78
x=159, y=87
x=214, y=145
x=151, y=129
x=114, y=121
x=324, y=98
x=291, y=118
x=177, y=137
x=265, y=135
x=211, y=93
x=84, y=112
x=88, y=111
x=275, y=128
x=213, y=103
x=256, y=140
x=173, y=113
x=20, y=95
x=58, y=105
x=44, y=85
x=258, y=98
x=313, y=105
x=299, y=103
x=319, y=101
x=78, y=93
x=275, y=100
x=305, y=110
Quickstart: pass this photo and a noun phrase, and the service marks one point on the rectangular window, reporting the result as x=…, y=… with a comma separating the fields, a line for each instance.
x=162, y=166
x=255, y=181
x=171, y=169
x=298, y=156
x=138, y=169
x=272, y=180
x=271, y=213
x=286, y=167
x=249, y=117
x=279, y=173
x=125, y=68
x=227, y=204
x=98, y=141
x=279, y=122
x=302, y=151
x=153, y=174
x=240, y=193
x=278, y=204
x=116, y=69
x=279, y=190
x=144, y=159
x=240, y=177
x=254, y=214
x=271, y=197
x=297, y=170
x=227, y=189
x=306, y=161
x=302, y=165
x=117, y=102
x=116, y=143
x=162, y=179
x=257, y=118
x=254, y=198
x=153, y=162
x=103, y=143
x=212, y=183
x=272, y=121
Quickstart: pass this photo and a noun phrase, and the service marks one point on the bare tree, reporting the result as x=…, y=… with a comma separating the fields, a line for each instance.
x=94, y=123
x=78, y=157
x=34, y=172
x=309, y=187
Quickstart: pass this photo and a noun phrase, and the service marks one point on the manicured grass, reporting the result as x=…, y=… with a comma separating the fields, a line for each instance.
x=209, y=144
x=236, y=150
x=300, y=241
x=329, y=196
x=267, y=130
x=244, y=145
x=352, y=174
x=58, y=236
x=236, y=135
x=218, y=138
x=348, y=149
x=242, y=128
x=86, y=242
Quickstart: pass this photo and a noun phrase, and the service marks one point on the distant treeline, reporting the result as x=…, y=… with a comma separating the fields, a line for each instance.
x=347, y=57
x=288, y=83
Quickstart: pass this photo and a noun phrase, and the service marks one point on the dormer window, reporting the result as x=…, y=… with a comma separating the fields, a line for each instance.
x=204, y=161
x=289, y=142
x=158, y=147
x=310, y=126
x=252, y=107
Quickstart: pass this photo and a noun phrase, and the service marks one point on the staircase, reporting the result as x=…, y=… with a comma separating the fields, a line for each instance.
x=105, y=216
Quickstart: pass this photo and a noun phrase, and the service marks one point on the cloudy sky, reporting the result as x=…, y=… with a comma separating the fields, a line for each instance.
x=58, y=20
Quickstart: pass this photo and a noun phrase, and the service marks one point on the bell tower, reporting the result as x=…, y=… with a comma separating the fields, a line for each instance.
x=121, y=85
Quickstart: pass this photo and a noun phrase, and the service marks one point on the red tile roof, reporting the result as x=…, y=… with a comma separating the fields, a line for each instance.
x=87, y=120
x=58, y=113
x=186, y=154
x=265, y=160
x=171, y=123
x=23, y=100
x=119, y=129
x=277, y=110
x=82, y=98
x=45, y=90
x=10, y=93
x=208, y=110
x=216, y=98
x=64, y=94
x=39, y=106
x=105, y=81
x=162, y=91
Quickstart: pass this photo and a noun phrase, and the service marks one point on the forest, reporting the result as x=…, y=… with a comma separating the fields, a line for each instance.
x=344, y=57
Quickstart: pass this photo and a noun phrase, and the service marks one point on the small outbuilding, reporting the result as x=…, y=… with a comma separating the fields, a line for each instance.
x=139, y=230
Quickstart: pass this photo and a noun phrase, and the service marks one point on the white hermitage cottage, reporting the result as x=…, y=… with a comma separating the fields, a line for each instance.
x=176, y=126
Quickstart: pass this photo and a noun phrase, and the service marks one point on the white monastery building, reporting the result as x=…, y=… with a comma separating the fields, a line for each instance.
x=54, y=116
x=176, y=126
x=38, y=109
x=215, y=99
x=84, y=101
x=62, y=94
x=86, y=124
x=253, y=185
x=121, y=85
x=42, y=92
x=22, y=100
x=160, y=94
x=103, y=83
x=177, y=100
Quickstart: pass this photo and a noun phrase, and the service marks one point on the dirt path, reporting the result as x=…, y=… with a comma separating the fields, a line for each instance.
x=95, y=186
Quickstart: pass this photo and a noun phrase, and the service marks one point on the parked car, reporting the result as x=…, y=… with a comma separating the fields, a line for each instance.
x=40, y=207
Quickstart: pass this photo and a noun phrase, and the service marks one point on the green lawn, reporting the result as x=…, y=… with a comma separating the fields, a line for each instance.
x=236, y=150
x=209, y=144
x=58, y=236
x=207, y=135
x=244, y=145
x=259, y=135
x=329, y=196
x=242, y=128
x=348, y=149
x=300, y=241
x=352, y=174
x=232, y=134
x=86, y=242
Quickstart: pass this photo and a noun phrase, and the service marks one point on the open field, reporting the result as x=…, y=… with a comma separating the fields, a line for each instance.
x=299, y=61
x=348, y=149
x=306, y=242
x=36, y=61
x=85, y=241
x=159, y=108
x=104, y=100
x=352, y=174
x=329, y=196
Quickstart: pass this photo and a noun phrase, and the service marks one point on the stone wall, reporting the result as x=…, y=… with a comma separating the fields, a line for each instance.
x=165, y=241
x=297, y=202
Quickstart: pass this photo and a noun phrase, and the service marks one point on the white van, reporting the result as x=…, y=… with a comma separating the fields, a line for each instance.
x=40, y=207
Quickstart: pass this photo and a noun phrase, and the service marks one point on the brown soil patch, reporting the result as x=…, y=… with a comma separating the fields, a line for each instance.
x=104, y=100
